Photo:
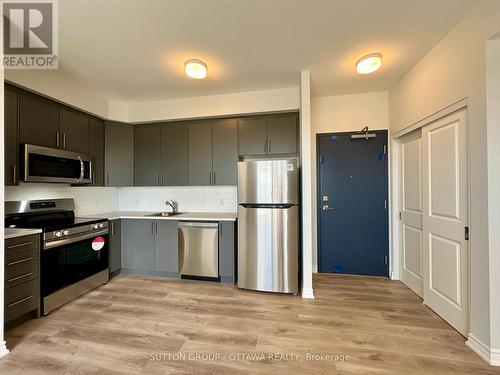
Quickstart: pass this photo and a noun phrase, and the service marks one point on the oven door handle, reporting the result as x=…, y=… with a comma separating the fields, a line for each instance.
x=65, y=241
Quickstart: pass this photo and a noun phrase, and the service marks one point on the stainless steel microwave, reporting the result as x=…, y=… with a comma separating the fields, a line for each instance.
x=43, y=164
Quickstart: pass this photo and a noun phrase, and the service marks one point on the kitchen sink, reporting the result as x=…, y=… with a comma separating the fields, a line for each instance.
x=164, y=214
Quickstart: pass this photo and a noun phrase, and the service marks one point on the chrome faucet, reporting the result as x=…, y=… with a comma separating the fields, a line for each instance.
x=172, y=204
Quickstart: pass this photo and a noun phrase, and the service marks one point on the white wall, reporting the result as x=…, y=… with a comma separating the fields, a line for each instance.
x=493, y=132
x=450, y=72
x=306, y=168
x=88, y=200
x=54, y=84
x=188, y=198
x=92, y=200
x=210, y=106
x=341, y=114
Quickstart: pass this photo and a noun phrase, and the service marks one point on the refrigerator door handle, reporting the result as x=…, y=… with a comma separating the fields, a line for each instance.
x=268, y=205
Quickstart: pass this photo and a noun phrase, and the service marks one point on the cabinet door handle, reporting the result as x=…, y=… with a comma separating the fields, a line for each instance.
x=107, y=179
x=152, y=227
x=20, y=277
x=20, y=261
x=64, y=141
x=210, y=178
x=58, y=139
x=265, y=147
x=14, y=174
x=112, y=228
x=161, y=178
x=215, y=178
x=19, y=245
x=156, y=227
x=20, y=301
x=93, y=177
x=269, y=146
x=157, y=178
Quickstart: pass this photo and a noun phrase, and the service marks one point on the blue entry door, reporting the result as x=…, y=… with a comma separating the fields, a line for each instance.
x=353, y=228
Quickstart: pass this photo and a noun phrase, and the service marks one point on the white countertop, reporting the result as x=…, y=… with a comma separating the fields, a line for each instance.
x=186, y=216
x=18, y=232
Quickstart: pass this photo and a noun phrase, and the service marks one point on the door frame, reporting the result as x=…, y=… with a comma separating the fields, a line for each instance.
x=389, y=196
x=400, y=201
x=396, y=177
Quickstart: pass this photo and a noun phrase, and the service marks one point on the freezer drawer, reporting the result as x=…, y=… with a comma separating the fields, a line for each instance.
x=268, y=249
x=199, y=249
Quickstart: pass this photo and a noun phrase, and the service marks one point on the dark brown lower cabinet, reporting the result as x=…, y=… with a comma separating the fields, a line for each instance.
x=115, y=247
x=22, y=282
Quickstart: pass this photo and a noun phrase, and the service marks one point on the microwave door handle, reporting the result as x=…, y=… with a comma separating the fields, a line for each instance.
x=82, y=169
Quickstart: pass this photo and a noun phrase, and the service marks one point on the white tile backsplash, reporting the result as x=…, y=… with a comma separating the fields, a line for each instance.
x=188, y=198
x=89, y=200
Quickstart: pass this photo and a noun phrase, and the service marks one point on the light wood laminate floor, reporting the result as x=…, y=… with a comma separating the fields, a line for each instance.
x=135, y=325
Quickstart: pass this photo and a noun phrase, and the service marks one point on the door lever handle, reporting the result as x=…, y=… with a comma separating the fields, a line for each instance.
x=326, y=207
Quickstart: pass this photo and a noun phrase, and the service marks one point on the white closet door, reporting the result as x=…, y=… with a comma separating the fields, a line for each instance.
x=445, y=217
x=411, y=211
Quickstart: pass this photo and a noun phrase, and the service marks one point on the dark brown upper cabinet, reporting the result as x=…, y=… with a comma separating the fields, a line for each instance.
x=225, y=152
x=200, y=154
x=74, y=130
x=252, y=136
x=96, y=150
x=174, y=155
x=44, y=122
x=147, y=155
x=282, y=135
x=268, y=135
x=38, y=121
x=34, y=119
x=11, y=152
x=161, y=154
x=119, y=154
x=213, y=152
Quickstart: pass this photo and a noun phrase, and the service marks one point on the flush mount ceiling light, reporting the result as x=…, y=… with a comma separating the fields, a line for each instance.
x=195, y=68
x=369, y=63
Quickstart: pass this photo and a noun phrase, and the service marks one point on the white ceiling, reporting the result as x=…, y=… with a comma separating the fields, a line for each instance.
x=133, y=50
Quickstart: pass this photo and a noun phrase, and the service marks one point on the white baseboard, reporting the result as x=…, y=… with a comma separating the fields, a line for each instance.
x=307, y=294
x=492, y=356
x=3, y=349
x=315, y=268
x=495, y=357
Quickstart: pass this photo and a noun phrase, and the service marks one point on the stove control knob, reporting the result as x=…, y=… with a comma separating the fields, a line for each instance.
x=65, y=232
x=101, y=225
x=95, y=226
x=58, y=234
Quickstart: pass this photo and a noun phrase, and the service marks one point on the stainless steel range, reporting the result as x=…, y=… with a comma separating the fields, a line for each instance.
x=74, y=255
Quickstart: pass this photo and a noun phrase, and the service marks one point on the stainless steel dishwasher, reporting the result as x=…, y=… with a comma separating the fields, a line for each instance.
x=199, y=250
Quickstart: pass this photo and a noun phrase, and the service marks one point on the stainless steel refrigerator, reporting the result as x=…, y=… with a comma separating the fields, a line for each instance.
x=268, y=225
